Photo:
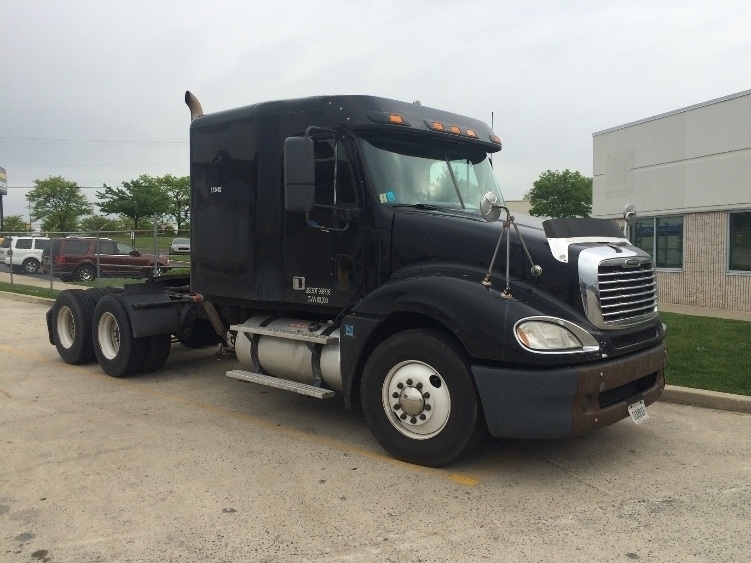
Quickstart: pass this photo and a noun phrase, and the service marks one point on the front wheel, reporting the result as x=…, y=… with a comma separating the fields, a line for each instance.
x=419, y=399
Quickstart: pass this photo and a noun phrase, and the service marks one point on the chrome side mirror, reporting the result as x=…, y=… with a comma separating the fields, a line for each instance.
x=490, y=207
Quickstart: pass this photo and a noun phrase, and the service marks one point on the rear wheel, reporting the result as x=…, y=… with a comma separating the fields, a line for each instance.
x=419, y=399
x=87, y=272
x=30, y=266
x=118, y=352
x=71, y=326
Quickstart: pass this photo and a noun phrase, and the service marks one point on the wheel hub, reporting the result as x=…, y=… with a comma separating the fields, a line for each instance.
x=411, y=401
x=416, y=399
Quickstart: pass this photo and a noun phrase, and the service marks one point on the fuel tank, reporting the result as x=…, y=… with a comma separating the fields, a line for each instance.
x=292, y=349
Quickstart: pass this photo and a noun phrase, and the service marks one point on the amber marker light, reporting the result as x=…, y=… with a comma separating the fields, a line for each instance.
x=437, y=126
x=495, y=139
x=394, y=118
x=455, y=129
x=471, y=133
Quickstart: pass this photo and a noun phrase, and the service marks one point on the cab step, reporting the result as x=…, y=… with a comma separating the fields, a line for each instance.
x=284, y=384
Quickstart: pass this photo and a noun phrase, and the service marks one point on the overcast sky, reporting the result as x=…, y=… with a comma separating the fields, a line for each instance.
x=93, y=91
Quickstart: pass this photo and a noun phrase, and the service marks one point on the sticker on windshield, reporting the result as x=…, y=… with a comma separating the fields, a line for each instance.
x=383, y=198
x=390, y=196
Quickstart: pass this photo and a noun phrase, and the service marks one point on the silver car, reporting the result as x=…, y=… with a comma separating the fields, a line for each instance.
x=179, y=246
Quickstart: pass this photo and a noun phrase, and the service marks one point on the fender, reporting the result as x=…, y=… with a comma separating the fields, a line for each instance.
x=476, y=315
x=479, y=317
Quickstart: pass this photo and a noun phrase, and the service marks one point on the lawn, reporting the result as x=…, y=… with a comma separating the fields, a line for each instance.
x=708, y=353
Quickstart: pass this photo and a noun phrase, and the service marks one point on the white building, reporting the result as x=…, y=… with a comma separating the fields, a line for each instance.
x=688, y=172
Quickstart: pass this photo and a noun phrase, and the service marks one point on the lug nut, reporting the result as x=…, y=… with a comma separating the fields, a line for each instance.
x=413, y=420
x=404, y=416
x=423, y=417
x=419, y=385
x=426, y=395
x=395, y=395
x=400, y=385
x=409, y=382
x=427, y=407
x=397, y=407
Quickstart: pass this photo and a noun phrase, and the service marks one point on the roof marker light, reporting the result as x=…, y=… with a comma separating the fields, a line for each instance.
x=471, y=133
x=455, y=129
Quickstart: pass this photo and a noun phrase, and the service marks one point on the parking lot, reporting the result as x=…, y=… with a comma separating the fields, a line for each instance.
x=187, y=463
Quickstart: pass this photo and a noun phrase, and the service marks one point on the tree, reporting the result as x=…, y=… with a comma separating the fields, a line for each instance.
x=561, y=194
x=13, y=224
x=178, y=190
x=98, y=223
x=58, y=202
x=142, y=197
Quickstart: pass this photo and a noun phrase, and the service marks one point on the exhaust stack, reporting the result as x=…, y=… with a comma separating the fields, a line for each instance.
x=195, y=106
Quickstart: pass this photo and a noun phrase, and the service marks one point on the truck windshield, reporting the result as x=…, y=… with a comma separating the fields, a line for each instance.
x=415, y=172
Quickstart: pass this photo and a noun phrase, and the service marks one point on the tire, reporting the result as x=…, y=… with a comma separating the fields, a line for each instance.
x=117, y=351
x=72, y=315
x=87, y=272
x=157, y=352
x=31, y=266
x=96, y=293
x=419, y=399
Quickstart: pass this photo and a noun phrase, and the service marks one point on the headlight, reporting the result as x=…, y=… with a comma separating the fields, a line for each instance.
x=548, y=334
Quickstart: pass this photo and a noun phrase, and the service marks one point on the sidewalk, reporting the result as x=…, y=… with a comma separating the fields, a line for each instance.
x=36, y=281
x=705, y=312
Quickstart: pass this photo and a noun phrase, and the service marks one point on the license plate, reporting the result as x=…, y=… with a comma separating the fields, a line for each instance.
x=638, y=412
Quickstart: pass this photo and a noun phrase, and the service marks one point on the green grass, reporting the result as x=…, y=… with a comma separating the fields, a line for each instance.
x=29, y=290
x=708, y=353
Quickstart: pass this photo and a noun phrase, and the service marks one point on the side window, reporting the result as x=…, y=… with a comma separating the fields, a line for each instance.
x=334, y=181
x=662, y=238
x=23, y=243
x=740, y=242
x=41, y=244
x=76, y=247
x=107, y=247
x=123, y=248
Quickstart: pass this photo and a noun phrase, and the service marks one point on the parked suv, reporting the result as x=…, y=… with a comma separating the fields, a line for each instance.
x=23, y=253
x=79, y=257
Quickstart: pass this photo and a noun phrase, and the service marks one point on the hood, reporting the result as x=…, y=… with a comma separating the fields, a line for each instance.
x=460, y=242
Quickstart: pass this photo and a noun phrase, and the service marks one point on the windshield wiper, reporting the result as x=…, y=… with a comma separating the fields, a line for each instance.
x=426, y=206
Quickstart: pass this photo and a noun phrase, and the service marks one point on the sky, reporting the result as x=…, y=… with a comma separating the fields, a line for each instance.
x=93, y=90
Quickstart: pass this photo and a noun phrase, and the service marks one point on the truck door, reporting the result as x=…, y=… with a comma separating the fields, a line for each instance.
x=323, y=249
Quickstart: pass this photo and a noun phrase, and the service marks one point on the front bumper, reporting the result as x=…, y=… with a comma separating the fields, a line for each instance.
x=561, y=402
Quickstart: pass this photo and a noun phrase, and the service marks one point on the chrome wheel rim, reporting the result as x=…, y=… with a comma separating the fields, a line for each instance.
x=66, y=327
x=416, y=400
x=108, y=332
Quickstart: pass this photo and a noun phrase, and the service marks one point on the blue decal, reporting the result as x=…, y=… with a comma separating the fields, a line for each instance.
x=349, y=330
x=390, y=196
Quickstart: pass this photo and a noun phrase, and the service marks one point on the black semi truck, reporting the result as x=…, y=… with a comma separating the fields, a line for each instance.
x=359, y=246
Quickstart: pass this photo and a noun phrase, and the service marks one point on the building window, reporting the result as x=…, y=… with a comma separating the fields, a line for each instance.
x=662, y=238
x=740, y=242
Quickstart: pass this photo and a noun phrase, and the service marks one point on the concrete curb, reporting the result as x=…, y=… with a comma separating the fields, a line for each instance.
x=706, y=399
x=26, y=298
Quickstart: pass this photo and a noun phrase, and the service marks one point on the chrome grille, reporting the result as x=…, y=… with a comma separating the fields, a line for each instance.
x=625, y=292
